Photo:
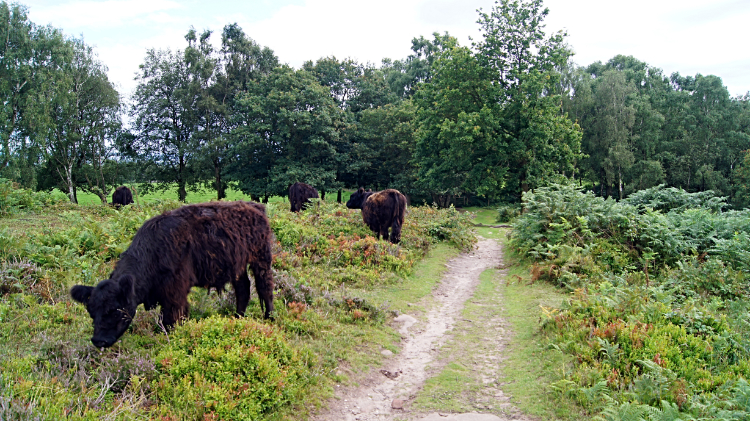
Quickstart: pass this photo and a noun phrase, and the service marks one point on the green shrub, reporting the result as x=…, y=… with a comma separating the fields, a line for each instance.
x=14, y=199
x=237, y=369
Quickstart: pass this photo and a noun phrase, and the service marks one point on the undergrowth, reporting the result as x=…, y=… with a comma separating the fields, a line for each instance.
x=214, y=366
x=657, y=324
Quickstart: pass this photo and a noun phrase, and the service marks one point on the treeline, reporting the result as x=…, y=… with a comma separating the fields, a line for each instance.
x=447, y=124
x=642, y=129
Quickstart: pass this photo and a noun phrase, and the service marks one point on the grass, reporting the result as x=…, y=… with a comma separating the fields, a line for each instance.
x=531, y=364
x=487, y=216
x=200, y=196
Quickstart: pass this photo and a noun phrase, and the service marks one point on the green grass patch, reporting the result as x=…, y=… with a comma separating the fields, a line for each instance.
x=193, y=196
x=532, y=366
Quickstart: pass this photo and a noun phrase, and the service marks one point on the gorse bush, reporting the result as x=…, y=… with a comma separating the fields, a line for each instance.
x=658, y=321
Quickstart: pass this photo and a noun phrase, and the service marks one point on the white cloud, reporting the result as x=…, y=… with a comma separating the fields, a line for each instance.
x=686, y=36
x=102, y=14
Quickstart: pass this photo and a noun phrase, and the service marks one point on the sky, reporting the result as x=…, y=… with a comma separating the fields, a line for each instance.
x=685, y=36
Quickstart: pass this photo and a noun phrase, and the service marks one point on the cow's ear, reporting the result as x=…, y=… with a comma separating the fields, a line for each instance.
x=361, y=190
x=126, y=285
x=81, y=293
x=369, y=190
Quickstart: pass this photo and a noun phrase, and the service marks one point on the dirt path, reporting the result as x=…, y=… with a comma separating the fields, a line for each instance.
x=386, y=393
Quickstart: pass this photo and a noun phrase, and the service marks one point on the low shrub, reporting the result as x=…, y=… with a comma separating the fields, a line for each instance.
x=233, y=369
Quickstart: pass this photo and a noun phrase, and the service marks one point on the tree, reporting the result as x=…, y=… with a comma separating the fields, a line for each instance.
x=240, y=65
x=490, y=121
x=285, y=131
x=403, y=76
x=29, y=57
x=525, y=64
x=458, y=144
x=78, y=113
x=165, y=121
x=383, y=148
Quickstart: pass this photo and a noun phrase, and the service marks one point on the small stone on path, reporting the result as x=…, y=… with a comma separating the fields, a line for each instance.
x=397, y=404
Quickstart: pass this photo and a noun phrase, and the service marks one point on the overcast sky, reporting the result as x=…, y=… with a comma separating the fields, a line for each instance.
x=685, y=36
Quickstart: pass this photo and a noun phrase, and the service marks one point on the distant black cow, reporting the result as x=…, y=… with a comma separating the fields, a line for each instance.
x=206, y=245
x=121, y=197
x=380, y=211
x=300, y=195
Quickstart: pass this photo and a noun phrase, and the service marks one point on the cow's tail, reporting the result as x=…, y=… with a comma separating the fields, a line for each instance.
x=399, y=213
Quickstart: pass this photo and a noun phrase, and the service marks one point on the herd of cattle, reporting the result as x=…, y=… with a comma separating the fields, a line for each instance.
x=207, y=245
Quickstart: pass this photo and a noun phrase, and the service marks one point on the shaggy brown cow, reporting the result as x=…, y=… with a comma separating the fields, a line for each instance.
x=121, y=197
x=380, y=211
x=206, y=245
x=300, y=195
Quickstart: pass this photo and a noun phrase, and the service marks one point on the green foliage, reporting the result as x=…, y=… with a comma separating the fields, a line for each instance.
x=657, y=312
x=668, y=199
x=14, y=199
x=236, y=369
x=508, y=213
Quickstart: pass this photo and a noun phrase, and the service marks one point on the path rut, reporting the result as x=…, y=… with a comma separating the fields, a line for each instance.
x=385, y=394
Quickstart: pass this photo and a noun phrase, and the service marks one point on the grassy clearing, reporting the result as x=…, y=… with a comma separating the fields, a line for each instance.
x=487, y=216
x=199, y=196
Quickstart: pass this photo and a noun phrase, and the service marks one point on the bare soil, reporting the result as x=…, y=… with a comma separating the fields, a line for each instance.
x=386, y=393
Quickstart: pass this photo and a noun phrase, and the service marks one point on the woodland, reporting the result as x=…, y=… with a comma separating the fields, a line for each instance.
x=471, y=124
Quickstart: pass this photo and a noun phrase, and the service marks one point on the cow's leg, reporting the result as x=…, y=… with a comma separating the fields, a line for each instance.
x=242, y=292
x=174, y=305
x=174, y=311
x=396, y=230
x=264, y=282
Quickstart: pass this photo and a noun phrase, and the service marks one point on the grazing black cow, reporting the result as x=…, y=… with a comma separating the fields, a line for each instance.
x=121, y=197
x=380, y=211
x=206, y=245
x=300, y=195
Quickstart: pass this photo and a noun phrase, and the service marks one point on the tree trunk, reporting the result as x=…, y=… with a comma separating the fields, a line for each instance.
x=181, y=192
x=322, y=195
x=220, y=191
x=69, y=182
x=338, y=197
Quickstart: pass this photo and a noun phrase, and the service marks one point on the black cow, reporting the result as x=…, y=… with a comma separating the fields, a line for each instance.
x=300, y=195
x=380, y=211
x=206, y=245
x=121, y=197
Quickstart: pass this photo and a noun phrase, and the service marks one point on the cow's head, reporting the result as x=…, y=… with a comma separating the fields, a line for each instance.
x=111, y=305
x=358, y=198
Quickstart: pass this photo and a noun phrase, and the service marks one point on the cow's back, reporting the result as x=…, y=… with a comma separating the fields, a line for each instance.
x=383, y=208
x=203, y=245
